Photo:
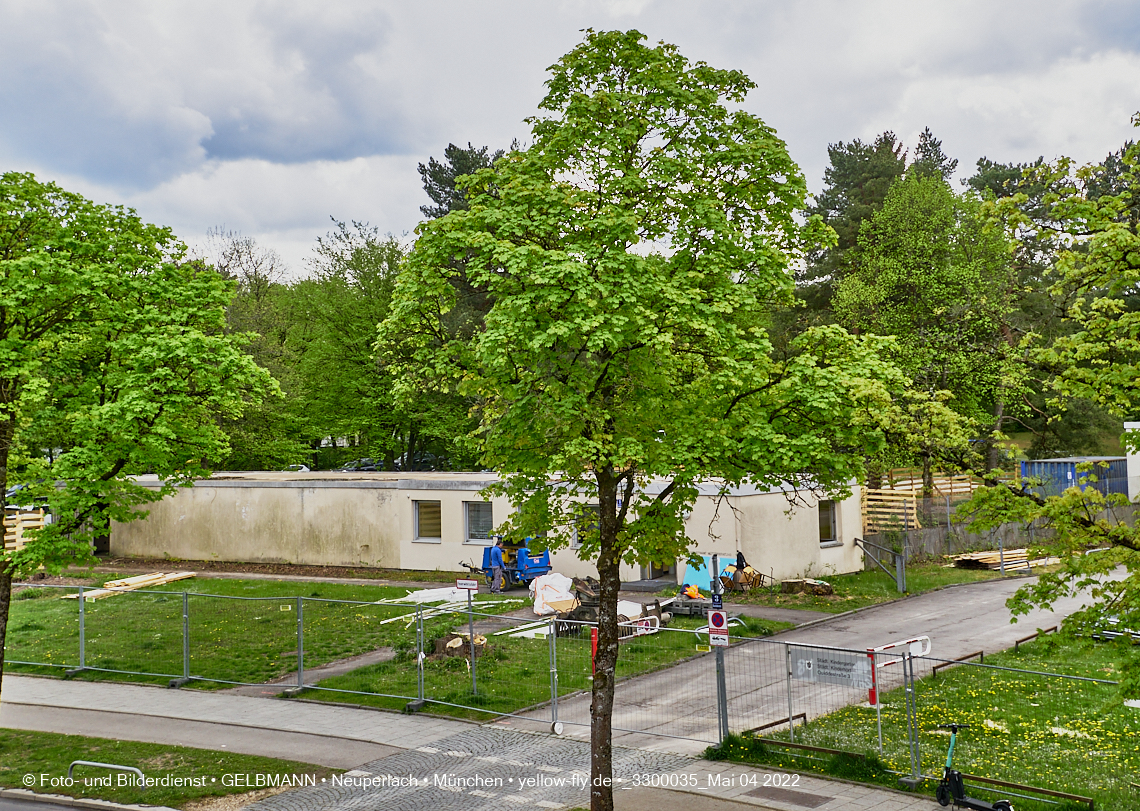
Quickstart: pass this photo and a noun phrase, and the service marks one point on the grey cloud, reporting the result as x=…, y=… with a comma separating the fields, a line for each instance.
x=332, y=105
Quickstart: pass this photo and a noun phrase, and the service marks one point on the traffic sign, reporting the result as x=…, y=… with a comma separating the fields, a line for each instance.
x=718, y=629
x=717, y=602
x=467, y=585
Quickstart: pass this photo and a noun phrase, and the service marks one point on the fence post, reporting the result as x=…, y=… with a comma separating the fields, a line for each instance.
x=420, y=651
x=471, y=644
x=300, y=642
x=186, y=636
x=791, y=724
x=82, y=631
x=912, y=722
x=552, y=635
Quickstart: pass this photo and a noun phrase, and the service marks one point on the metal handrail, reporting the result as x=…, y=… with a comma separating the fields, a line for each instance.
x=75, y=763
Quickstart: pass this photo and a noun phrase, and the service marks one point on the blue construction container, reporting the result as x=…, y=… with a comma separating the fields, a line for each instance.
x=1057, y=475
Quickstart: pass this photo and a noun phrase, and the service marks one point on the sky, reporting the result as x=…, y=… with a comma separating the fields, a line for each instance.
x=269, y=117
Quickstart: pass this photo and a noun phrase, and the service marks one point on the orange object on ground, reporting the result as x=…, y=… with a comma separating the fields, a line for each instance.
x=692, y=592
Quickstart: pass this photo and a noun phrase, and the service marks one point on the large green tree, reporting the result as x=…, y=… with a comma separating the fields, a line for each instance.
x=114, y=362
x=1089, y=213
x=932, y=273
x=631, y=254
x=350, y=390
x=856, y=183
x=266, y=309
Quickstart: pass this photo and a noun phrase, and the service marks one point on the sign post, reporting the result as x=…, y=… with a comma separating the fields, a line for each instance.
x=718, y=636
x=470, y=586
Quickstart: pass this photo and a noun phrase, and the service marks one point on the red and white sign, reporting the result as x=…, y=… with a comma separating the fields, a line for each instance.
x=718, y=629
x=467, y=585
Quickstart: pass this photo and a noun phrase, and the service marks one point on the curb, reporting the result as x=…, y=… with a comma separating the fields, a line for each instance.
x=74, y=802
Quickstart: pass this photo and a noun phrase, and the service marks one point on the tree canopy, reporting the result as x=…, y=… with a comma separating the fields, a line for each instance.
x=113, y=363
x=631, y=255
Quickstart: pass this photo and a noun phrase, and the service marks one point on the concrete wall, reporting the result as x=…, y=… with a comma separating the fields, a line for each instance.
x=368, y=519
x=778, y=540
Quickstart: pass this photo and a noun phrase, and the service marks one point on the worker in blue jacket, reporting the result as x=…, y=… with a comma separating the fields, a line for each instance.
x=497, y=567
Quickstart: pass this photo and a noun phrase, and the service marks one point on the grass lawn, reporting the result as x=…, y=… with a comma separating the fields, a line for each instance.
x=45, y=753
x=253, y=639
x=1076, y=737
x=860, y=589
x=515, y=673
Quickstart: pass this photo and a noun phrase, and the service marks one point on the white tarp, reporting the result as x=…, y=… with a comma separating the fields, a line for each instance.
x=550, y=588
x=444, y=595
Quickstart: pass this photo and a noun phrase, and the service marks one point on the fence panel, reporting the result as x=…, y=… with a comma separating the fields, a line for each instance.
x=135, y=632
x=243, y=640
x=43, y=628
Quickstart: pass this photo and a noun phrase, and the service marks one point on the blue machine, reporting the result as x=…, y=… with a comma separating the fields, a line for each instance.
x=519, y=565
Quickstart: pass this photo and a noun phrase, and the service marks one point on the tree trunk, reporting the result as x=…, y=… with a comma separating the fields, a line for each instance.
x=992, y=449
x=5, y=601
x=102, y=528
x=927, y=477
x=7, y=432
x=602, y=703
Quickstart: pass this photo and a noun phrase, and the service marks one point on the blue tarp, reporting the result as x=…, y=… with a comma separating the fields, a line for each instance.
x=699, y=575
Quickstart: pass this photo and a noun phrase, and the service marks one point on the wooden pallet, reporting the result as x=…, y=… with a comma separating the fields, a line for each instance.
x=889, y=510
x=16, y=525
x=142, y=581
x=944, y=484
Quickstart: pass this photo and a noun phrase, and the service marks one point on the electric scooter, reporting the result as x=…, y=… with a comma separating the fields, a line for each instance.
x=950, y=788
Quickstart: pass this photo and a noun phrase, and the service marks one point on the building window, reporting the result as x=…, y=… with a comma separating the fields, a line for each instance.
x=828, y=536
x=428, y=521
x=480, y=521
x=587, y=522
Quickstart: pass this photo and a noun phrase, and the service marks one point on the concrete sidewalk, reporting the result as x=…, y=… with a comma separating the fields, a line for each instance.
x=445, y=757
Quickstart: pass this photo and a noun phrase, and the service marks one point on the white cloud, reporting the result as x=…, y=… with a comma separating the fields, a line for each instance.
x=270, y=116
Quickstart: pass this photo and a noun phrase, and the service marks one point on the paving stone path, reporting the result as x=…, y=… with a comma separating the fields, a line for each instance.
x=483, y=768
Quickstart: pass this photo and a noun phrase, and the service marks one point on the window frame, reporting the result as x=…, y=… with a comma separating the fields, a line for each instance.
x=834, y=540
x=575, y=542
x=490, y=539
x=416, y=537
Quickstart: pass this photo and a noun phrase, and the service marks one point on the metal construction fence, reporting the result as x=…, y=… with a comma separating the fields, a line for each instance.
x=670, y=683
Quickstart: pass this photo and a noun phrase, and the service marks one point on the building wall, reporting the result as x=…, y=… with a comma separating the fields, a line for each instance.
x=368, y=520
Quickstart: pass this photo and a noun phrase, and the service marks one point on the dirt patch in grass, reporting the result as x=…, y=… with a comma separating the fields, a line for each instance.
x=290, y=569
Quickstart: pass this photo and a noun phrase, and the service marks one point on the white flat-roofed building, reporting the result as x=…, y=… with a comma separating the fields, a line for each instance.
x=438, y=521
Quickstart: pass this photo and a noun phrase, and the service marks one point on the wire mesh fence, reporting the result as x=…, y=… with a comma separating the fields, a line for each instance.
x=391, y=654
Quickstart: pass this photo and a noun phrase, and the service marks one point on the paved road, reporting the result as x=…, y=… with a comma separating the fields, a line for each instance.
x=681, y=701
x=419, y=746
x=7, y=804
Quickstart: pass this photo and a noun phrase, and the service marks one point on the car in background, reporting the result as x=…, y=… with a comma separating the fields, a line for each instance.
x=362, y=465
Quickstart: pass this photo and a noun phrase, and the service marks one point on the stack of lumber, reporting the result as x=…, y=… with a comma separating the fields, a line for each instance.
x=1014, y=559
x=16, y=524
x=142, y=581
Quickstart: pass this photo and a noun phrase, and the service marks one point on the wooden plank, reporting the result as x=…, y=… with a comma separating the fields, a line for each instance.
x=113, y=587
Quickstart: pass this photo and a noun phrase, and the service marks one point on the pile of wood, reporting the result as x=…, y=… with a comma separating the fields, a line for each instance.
x=17, y=523
x=142, y=581
x=1014, y=559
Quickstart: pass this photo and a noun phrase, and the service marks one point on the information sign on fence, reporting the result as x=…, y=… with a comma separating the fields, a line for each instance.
x=831, y=667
